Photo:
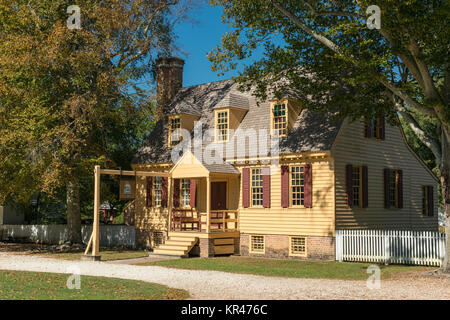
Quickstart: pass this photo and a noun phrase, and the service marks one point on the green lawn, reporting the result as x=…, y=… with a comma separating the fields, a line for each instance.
x=107, y=255
x=285, y=268
x=19, y=285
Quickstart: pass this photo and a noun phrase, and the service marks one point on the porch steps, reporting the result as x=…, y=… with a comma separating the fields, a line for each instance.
x=176, y=246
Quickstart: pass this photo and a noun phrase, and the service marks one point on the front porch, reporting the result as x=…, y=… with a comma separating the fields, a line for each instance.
x=203, y=204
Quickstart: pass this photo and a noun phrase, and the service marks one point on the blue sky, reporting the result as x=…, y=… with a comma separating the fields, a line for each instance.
x=197, y=40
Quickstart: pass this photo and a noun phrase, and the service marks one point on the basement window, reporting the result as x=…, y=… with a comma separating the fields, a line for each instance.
x=257, y=244
x=158, y=238
x=297, y=246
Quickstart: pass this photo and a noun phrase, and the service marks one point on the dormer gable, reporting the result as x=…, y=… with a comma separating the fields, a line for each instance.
x=283, y=114
x=228, y=115
x=179, y=121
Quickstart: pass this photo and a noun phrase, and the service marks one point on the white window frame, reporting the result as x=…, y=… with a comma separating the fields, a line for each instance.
x=251, y=250
x=298, y=254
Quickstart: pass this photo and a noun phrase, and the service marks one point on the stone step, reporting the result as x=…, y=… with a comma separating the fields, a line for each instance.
x=167, y=252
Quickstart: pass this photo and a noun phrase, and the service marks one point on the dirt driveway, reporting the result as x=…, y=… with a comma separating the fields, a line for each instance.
x=222, y=285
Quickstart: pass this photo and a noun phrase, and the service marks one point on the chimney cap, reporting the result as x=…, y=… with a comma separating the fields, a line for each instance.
x=169, y=60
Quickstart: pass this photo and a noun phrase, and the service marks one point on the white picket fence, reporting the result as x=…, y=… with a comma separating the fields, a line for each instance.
x=425, y=248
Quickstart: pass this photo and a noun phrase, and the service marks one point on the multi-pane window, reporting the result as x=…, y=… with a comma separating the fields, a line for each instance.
x=297, y=186
x=257, y=244
x=257, y=187
x=374, y=127
x=356, y=186
x=185, y=192
x=393, y=183
x=222, y=125
x=158, y=238
x=279, y=118
x=298, y=246
x=174, y=123
x=427, y=201
x=157, y=191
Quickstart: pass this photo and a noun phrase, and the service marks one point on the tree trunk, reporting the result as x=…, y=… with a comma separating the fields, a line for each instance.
x=445, y=183
x=73, y=211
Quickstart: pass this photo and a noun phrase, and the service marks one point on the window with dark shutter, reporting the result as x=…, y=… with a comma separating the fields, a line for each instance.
x=382, y=128
x=387, y=201
x=374, y=128
x=430, y=201
x=193, y=193
x=297, y=188
x=367, y=128
x=365, y=187
x=393, y=188
x=308, y=186
x=285, y=186
x=164, y=195
x=245, y=187
x=256, y=187
x=176, y=193
x=427, y=201
x=266, y=187
x=149, y=191
x=349, y=183
x=357, y=186
x=399, y=189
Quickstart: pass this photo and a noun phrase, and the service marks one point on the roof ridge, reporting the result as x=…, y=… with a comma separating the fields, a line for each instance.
x=205, y=83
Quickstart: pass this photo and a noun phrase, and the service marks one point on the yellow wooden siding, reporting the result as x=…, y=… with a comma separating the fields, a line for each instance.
x=317, y=221
x=149, y=218
x=351, y=147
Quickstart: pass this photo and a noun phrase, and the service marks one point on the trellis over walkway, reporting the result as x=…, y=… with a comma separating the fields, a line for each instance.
x=94, y=241
x=426, y=248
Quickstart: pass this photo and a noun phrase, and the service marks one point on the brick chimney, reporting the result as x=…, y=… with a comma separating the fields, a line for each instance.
x=169, y=79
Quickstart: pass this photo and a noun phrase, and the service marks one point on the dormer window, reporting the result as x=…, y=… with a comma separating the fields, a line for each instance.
x=279, y=119
x=374, y=128
x=222, y=125
x=174, y=137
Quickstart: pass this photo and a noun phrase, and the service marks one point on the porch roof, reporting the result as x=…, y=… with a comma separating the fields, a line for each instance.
x=188, y=166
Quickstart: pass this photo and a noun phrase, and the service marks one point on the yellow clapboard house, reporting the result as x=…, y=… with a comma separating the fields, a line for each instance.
x=269, y=179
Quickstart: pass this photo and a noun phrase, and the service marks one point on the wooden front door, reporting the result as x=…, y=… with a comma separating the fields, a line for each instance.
x=218, y=195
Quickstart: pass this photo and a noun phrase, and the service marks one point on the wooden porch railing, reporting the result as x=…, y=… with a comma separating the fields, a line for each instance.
x=223, y=221
x=191, y=220
x=186, y=220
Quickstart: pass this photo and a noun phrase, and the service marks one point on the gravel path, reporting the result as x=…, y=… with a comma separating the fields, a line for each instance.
x=221, y=285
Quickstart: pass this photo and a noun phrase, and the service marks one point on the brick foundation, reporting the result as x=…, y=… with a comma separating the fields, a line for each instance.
x=277, y=246
x=206, y=247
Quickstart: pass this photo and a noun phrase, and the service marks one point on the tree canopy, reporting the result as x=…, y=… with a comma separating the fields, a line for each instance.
x=325, y=50
x=71, y=98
